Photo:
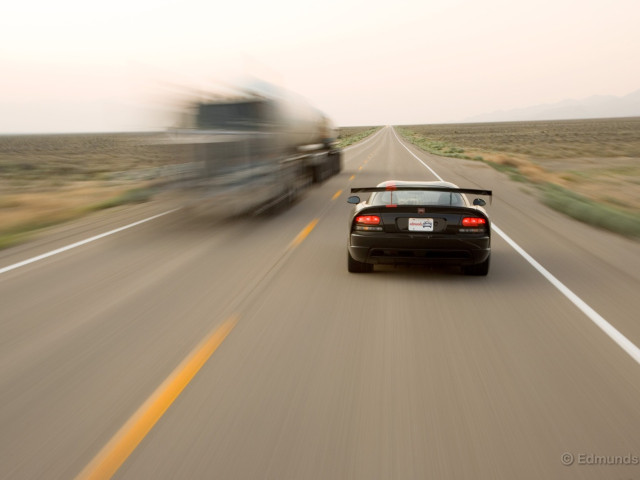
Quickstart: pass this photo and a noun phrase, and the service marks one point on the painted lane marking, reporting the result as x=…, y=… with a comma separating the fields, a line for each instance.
x=336, y=195
x=125, y=441
x=416, y=157
x=303, y=234
x=107, y=462
x=612, y=332
x=594, y=316
x=352, y=177
x=80, y=243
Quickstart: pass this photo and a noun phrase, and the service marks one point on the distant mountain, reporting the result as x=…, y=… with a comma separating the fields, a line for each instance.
x=597, y=106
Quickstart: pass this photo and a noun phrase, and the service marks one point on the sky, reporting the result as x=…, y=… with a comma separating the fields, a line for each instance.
x=123, y=65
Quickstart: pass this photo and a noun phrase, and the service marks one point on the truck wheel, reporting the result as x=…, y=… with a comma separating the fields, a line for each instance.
x=355, y=266
x=479, y=269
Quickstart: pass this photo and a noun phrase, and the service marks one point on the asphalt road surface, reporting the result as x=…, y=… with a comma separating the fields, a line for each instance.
x=185, y=347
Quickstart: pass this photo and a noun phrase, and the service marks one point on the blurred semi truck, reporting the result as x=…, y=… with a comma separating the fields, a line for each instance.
x=256, y=150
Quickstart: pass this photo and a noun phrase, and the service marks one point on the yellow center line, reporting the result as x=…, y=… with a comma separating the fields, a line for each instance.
x=360, y=167
x=125, y=441
x=336, y=195
x=352, y=177
x=304, y=233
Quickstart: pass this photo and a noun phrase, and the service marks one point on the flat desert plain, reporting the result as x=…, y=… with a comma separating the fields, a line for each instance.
x=47, y=179
x=597, y=158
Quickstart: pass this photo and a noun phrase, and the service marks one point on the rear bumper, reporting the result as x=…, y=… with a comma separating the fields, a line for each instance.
x=389, y=249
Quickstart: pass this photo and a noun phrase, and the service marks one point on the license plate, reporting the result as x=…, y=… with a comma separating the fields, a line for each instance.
x=421, y=224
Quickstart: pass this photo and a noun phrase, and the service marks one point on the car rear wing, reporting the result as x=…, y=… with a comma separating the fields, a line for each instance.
x=470, y=191
x=400, y=188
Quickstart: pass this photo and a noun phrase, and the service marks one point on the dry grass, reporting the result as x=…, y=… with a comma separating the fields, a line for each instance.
x=599, y=158
x=39, y=206
x=587, y=169
x=47, y=179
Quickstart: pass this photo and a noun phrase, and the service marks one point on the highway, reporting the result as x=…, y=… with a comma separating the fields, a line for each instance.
x=190, y=348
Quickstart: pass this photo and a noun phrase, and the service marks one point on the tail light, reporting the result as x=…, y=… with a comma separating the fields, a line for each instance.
x=368, y=219
x=368, y=223
x=473, y=224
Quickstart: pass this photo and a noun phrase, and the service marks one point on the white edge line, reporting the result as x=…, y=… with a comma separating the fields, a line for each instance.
x=80, y=243
x=416, y=157
x=611, y=331
x=594, y=316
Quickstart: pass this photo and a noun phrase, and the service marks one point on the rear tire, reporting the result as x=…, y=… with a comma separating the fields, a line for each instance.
x=355, y=266
x=479, y=269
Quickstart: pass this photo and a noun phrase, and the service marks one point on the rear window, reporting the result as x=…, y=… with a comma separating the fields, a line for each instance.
x=416, y=198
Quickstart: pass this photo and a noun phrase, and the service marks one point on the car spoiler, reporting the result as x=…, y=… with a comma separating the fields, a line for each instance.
x=394, y=188
x=471, y=191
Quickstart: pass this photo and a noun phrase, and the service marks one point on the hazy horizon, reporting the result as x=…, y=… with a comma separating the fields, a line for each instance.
x=75, y=66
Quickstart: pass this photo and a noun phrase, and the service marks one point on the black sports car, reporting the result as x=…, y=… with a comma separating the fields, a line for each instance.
x=419, y=222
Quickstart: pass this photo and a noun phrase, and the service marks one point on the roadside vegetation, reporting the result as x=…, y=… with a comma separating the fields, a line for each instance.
x=30, y=223
x=587, y=169
x=591, y=212
x=350, y=135
x=49, y=179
